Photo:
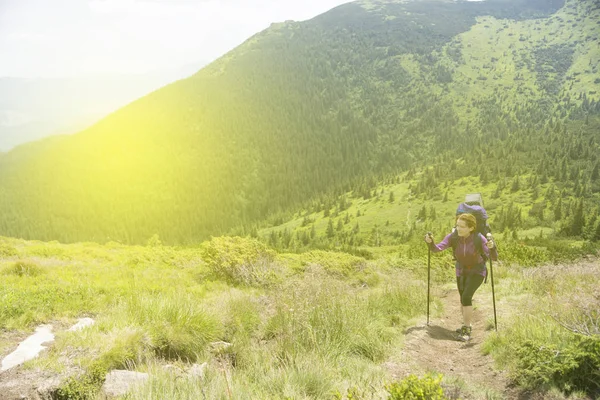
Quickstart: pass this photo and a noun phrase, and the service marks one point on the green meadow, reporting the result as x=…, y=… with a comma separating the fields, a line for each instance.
x=310, y=325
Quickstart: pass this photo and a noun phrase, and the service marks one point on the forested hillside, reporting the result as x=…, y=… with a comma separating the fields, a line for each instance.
x=497, y=89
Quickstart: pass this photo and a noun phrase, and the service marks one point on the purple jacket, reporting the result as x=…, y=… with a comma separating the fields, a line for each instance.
x=468, y=259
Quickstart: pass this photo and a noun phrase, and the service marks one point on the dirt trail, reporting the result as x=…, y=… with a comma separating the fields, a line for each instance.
x=434, y=348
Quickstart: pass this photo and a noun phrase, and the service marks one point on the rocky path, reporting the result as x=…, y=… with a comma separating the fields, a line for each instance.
x=434, y=348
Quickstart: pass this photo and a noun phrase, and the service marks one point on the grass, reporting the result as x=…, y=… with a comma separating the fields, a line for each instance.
x=325, y=328
x=552, y=344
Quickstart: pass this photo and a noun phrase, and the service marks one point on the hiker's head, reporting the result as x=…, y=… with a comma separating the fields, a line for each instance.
x=465, y=224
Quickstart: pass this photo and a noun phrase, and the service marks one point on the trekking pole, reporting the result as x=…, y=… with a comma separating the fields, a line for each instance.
x=489, y=237
x=428, y=275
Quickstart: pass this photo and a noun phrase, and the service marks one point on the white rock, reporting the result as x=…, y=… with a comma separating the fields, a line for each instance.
x=29, y=348
x=197, y=370
x=219, y=346
x=82, y=323
x=119, y=382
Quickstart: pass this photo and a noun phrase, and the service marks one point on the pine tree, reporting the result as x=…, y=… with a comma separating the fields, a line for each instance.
x=595, y=173
x=330, y=230
x=578, y=221
x=515, y=184
x=558, y=210
x=596, y=235
x=590, y=226
x=422, y=213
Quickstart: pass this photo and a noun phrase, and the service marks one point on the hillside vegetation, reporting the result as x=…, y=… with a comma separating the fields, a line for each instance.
x=317, y=325
x=314, y=108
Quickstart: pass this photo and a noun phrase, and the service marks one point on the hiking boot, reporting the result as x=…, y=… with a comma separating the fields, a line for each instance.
x=461, y=329
x=465, y=334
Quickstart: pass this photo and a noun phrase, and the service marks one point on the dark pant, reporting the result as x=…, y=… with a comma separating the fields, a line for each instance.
x=467, y=285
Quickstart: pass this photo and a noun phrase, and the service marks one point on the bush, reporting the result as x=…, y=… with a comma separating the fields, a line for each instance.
x=23, y=268
x=241, y=261
x=415, y=388
x=575, y=367
x=335, y=263
x=6, y=250
x=47, y=250
x=522, y=254
x=83, y=387
x=154, y=241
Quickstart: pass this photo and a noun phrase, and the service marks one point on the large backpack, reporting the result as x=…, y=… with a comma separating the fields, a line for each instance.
x=480, y=215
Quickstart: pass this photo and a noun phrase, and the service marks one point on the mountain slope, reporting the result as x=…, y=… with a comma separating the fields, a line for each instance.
x=299, y=110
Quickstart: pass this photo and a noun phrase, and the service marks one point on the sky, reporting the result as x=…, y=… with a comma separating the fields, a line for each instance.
x=74, y=38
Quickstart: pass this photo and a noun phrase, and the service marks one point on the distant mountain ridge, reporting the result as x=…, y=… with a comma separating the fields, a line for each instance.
x=307, y=108
x=34, y=108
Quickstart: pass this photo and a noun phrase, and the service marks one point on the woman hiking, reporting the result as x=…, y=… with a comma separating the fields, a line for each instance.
x=471, y=250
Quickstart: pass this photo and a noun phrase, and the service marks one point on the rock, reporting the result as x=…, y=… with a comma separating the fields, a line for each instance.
x=82, y=323
x=174, y=370
x=217, y=347
x=46, y=388
x=28, y=348
x=30, y=384
x=197, y=371
x=119, y=382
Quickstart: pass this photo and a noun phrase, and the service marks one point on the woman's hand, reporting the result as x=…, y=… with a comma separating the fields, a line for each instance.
x=490, y=241
x=428, y=238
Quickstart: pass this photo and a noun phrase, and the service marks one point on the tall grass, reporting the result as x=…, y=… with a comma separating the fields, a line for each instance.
x=322, y=330
x=554, y=343
x=320, y=336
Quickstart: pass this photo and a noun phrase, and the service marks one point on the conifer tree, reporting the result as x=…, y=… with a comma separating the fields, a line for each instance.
x=578, y=221
x=330, y=230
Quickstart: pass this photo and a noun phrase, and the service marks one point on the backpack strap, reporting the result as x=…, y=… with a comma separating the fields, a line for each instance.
x=478, y=241
x=454, y=243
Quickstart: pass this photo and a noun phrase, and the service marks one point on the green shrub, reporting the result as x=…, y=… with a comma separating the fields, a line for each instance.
x=23, y=268
x=6, y=250
x=575, y=367
x=415, y=388
x=242, y=261
x=538, y=251
x=47, y=251
x=83, y=387
x=519, y=253
x=335, y=263
x=154, y=241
